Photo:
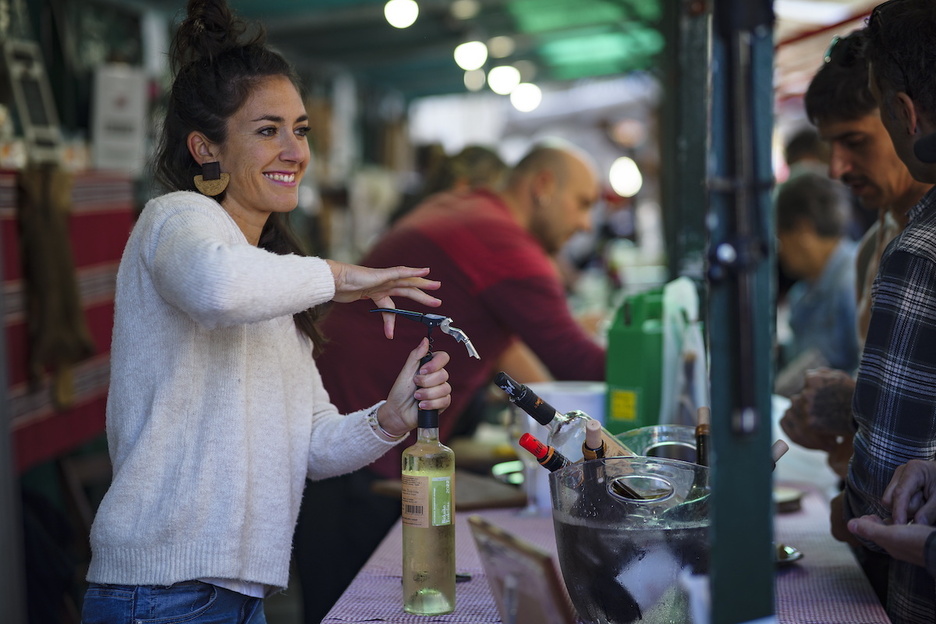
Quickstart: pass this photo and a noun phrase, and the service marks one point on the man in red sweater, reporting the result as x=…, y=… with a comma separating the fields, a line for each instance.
x=493, y=253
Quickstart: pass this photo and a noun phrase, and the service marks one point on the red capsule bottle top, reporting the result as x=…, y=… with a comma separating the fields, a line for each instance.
x=537, y=448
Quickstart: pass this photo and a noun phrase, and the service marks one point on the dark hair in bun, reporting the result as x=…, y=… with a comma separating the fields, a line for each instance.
x=218, y=59
x=215, y=66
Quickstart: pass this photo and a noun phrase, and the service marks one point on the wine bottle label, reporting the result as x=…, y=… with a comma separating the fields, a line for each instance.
x=427, y=501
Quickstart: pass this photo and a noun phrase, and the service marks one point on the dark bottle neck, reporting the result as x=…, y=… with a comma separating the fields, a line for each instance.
x=427, y=419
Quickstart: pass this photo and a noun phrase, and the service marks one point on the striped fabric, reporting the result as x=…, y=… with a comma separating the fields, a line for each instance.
x=100, y=221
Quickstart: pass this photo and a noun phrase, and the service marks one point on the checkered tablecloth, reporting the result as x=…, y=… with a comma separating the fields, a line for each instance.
x=826, y=586
x=376, y=595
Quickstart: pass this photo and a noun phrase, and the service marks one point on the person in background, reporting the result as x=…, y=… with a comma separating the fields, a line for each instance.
x=474, y=167
x=806, y=152
x=803, y=152
x=811, y=211
x=216, y=412
x=895, y=392
x=493, y=253
x=428, y=159
x=839, y=102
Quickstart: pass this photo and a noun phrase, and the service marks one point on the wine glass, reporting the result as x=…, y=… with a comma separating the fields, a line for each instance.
x=518, y=423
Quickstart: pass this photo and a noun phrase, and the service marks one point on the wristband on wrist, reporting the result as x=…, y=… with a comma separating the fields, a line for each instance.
x=380, y=431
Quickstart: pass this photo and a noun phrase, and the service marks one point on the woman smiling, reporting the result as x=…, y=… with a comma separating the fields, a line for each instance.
x=216, y=412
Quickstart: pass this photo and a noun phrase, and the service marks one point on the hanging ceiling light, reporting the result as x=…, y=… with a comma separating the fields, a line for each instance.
x=501, y=46
x=471, y=55
x=526, y=97
x=503, y=79
x=465, y=9
x=625, y=177
x=474, y=79
x=401, y=13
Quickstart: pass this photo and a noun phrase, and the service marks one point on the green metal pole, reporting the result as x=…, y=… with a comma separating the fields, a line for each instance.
x=685, y=78
x=740, y=317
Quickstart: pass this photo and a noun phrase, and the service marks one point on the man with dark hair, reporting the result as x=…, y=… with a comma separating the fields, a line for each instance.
x=895, y=392
x=839, y=102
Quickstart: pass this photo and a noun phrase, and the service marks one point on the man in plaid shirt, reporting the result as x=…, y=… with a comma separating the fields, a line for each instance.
x=895, y=394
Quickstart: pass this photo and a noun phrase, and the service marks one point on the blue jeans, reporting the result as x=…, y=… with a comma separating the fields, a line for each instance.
x=189, y=602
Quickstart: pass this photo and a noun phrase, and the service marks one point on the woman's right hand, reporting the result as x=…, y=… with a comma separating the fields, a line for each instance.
x=418, y=386
x=353, y=282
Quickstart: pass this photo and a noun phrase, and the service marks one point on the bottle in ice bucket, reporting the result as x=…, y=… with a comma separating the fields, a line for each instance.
x=593, y=447
x=703, y=432
x=566, y=431
x=428, y=521
x=548, y=457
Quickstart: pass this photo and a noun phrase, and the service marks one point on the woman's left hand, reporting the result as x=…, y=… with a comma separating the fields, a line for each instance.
x=416, y=387
x=353, y=282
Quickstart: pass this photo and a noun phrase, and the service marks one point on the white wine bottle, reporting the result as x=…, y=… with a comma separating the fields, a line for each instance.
x=428, y=521
x=566, y=431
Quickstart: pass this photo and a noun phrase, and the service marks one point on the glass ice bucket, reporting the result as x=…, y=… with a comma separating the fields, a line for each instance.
x=668, y=441
x=632, y=537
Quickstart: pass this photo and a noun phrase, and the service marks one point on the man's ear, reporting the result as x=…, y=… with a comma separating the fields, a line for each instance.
x=924, y=122
x=906, y=112
x=544, y=184
x=201, y=149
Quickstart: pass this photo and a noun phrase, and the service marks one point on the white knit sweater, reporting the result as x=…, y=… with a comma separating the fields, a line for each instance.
x=216, y=412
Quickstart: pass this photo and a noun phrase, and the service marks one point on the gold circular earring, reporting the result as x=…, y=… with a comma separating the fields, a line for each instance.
x=212, y=182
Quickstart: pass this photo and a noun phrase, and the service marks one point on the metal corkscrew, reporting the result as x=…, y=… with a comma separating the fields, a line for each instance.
x=432, y=321
x=435, y=320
